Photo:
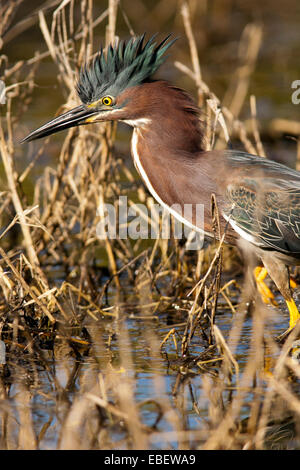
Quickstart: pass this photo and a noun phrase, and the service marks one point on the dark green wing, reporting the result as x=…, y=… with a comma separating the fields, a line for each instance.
x=263, y=205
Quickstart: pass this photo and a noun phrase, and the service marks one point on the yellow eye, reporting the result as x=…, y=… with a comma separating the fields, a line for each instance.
x=107, y=101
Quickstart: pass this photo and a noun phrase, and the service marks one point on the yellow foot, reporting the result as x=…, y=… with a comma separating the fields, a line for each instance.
x=293, y=283
x=266, y=294
x=294, y=314
x=294, y=317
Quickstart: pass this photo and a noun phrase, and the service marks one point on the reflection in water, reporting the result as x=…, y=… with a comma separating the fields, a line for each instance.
x=111, y=384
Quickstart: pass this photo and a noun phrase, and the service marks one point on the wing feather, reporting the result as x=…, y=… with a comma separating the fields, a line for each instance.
x=265, y=203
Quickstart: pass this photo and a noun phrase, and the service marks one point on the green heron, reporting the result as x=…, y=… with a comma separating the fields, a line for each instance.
x=258, y=199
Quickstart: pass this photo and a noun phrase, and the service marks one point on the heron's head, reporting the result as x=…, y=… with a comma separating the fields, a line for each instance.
x=111, y=86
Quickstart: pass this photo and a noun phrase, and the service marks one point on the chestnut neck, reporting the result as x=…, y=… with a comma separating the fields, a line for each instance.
x=168, y=119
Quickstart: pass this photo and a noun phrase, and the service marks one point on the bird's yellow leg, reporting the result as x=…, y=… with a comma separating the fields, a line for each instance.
x=266, y=294
x=294, y=313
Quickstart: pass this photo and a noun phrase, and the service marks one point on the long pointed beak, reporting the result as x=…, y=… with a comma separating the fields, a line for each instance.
x=74, y=117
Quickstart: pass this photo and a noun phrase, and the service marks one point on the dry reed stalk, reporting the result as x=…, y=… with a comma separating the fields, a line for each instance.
x=284, y=126
x=6, y=153
x=27, y=439
x=185, y=13
x=7, y=12
x=26, y=287
x=125, y=393
x=112, y=21
x=201, y=282
x=248, y=51
x=110, y=253
x=259, y=146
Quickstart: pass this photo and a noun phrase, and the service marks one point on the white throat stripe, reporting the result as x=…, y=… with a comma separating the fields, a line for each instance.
x=146, y=180
x=137, y=122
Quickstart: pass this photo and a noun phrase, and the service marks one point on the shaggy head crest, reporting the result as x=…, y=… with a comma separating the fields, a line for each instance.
x=127, y=64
